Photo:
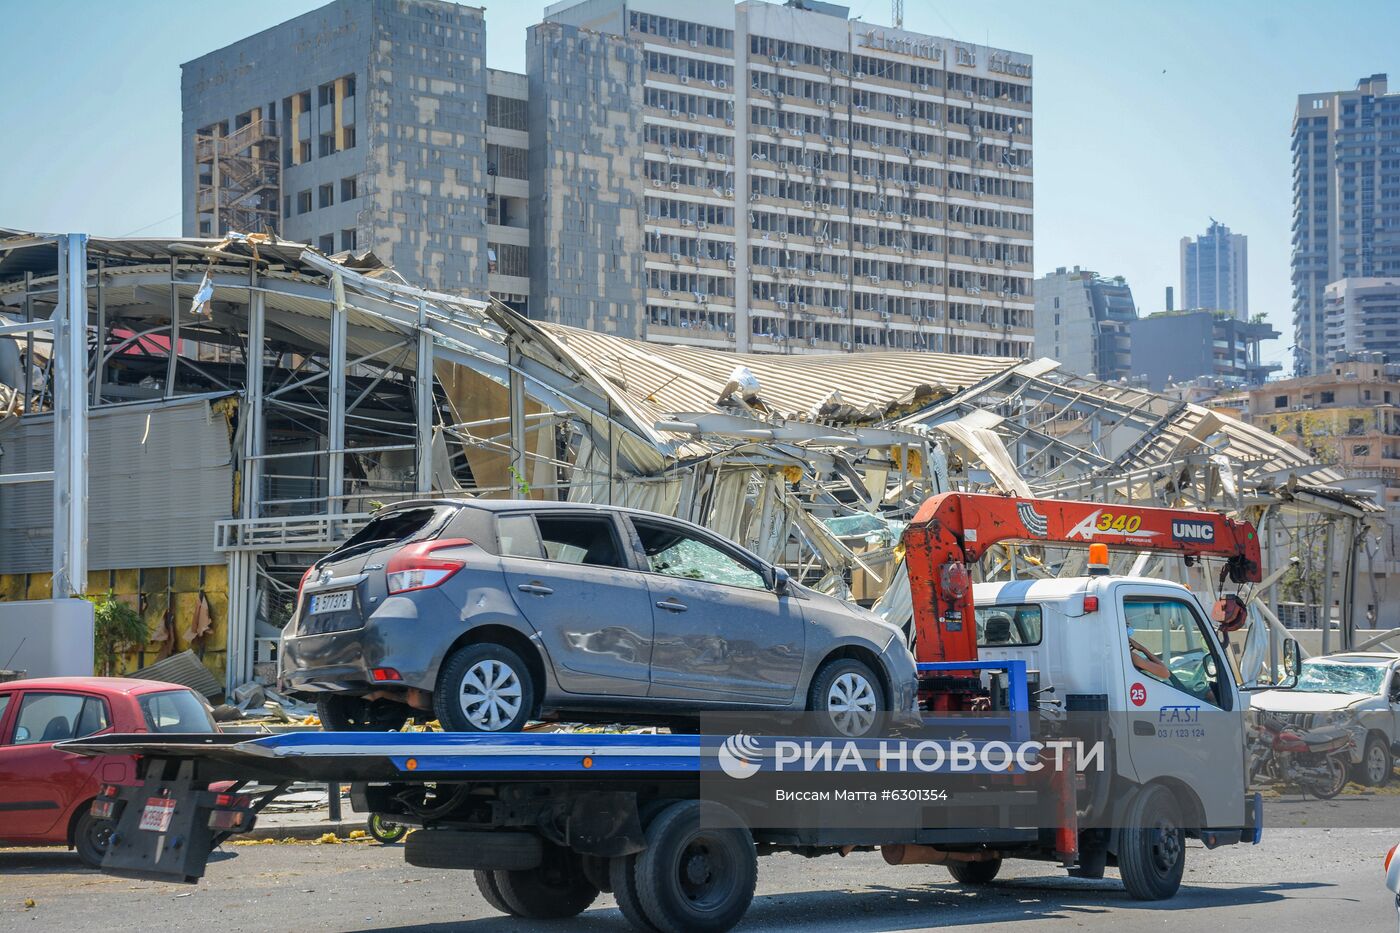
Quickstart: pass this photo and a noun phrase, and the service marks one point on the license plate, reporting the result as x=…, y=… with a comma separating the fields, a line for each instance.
x=156, y=816
x=332, y=602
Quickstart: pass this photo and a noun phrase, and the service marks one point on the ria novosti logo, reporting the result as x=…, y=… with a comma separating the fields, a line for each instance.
x=739, y=756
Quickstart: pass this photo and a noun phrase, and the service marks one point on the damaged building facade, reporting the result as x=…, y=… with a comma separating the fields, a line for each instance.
x=769, y=178
x=245, y=403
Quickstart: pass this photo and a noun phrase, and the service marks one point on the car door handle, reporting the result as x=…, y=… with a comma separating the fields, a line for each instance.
x=670, y=605
x=539, y=589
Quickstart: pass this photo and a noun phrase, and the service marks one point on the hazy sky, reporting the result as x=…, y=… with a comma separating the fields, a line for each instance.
x=1150, y=117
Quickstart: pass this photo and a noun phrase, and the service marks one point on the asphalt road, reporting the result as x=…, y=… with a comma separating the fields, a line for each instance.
x=1299, y=880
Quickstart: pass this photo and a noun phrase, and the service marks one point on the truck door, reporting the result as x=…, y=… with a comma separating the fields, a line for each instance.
x=1183, y=712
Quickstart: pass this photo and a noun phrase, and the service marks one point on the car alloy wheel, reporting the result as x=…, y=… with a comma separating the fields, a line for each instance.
x=491, y=695
x=851, y=703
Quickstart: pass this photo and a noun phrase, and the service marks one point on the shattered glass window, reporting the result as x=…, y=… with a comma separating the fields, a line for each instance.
x=1325, y=677
x=672, y=552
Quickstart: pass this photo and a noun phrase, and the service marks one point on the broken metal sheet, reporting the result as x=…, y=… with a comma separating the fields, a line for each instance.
x=975, y=432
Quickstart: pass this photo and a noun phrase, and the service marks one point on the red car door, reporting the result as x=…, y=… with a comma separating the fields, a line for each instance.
x=39, y=785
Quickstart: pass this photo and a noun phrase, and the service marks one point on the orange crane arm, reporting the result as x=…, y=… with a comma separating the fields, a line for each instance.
x=953, y=530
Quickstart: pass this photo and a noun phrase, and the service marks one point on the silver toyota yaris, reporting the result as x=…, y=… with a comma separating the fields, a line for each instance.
x=489, y=614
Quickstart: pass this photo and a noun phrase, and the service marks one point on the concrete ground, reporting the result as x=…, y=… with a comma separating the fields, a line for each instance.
x=1301, y=880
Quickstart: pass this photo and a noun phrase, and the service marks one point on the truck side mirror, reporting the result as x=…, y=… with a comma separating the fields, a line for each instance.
x=1292, y=662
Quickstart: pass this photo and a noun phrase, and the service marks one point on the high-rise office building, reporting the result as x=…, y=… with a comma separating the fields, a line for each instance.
x=771, y=178
x=366, y=125
x=1084, y=321
x=1346, y=202
x=798, y=180
x=1215, y=271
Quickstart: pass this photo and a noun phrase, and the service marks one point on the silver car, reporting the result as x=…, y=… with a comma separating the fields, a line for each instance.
x=488, y=614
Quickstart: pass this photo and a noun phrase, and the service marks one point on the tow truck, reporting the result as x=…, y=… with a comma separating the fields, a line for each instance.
x=548, y=820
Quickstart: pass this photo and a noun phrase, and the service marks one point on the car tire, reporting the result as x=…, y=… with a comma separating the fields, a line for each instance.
x=975, y=873
x=90, y=837
x=557, y=889
x=341, y=712
x=850, y=695
x=486, y=884
x=1152, y=846
x=1377, y=763
x=698, y=871
x=464, y=700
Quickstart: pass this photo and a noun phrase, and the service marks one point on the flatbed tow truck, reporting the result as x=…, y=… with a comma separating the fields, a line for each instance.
x=672, y=825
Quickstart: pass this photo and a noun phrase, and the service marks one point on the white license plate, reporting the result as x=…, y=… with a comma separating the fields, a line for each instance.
x=332, y=602
x=156, y=816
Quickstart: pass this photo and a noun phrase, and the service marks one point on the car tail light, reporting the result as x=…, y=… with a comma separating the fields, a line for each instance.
x=304, y=577
x=1390, y=856
x=415, y=568
x=385, y=673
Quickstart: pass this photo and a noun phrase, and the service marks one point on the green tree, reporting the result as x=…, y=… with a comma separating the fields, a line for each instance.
x=116, y=628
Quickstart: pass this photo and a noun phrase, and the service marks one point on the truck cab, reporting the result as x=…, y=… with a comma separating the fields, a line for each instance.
x=1143, y=655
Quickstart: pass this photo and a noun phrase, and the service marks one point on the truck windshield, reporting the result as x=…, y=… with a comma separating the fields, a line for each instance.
x=1330, y=677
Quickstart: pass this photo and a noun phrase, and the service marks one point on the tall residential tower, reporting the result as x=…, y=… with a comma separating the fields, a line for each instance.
x=1346, y=202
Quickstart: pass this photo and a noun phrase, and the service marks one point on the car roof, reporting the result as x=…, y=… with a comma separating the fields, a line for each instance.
x=534, y=505
x=128, y=685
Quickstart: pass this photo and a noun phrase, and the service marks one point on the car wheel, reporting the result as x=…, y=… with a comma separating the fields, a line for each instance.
x=1377, y=763
x=484, y=688
x=1152, y=847
x=849, y=693
x=343, y=713
x=90, y=838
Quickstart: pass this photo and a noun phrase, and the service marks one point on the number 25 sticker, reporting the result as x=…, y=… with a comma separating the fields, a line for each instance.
x=1138, y=694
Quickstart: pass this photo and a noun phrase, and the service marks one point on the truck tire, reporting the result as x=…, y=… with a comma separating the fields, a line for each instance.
x=486, y=884
x=849, y=694
x=622, y=874
x=557, y=889
x=478, y=850
x=341, y=712
x=484, y=688
x=1152, y=846
x=975, y=873
x=698, y=871
x=1377, y=763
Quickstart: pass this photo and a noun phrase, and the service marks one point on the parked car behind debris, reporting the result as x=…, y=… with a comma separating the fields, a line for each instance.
x=489, y=614
x=45, y=793
x=1356, y=690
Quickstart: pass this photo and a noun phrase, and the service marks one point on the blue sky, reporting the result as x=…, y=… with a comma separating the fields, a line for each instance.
x=1150, y=117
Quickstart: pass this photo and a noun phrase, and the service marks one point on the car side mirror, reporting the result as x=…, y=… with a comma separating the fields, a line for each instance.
x=781, y=579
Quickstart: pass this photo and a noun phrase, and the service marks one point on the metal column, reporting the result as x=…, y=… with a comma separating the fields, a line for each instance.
x=517, y=424
x=70, y=453
x=242, y=565
x=423, y=377
x=1328, y=550
x=335, y=479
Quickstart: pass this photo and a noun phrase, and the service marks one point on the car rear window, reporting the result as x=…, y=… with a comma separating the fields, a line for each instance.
x=175, y=711
x=389, y=528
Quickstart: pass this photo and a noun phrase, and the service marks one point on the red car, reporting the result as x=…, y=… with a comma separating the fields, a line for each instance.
x=45, y=792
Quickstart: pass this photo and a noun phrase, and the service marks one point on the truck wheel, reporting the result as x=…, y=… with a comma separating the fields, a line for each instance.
x=555, y=890
x=975, y=873
x=622, y=874
x=91, y=837
x=1152, y=847
x=343, y=713
x=1377, y=764
x=486, y=884
x=849, y=693
x=698, y=871
x=484, y=688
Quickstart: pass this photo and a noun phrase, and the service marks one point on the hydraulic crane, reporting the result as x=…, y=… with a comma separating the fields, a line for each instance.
x=954, y=530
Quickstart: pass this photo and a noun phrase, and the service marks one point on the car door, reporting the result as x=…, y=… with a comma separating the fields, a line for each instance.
x=721, y=633
x=39, y=783
x=1181, y=720
x=1393, y=695
x=572, y=579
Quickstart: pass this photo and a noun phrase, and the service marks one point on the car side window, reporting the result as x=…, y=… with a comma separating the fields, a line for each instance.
x=674, y=553
x=4, y=705
x=580, y=539
x=53, y=717
x=518, y=536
